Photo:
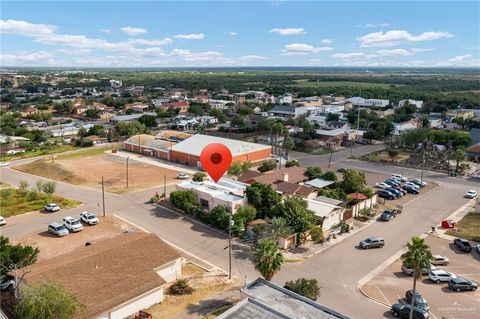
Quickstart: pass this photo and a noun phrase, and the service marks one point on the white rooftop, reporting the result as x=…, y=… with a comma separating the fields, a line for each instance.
x=321, y=209
x=195, y=144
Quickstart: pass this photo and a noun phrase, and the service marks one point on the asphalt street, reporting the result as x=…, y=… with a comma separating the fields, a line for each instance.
x=337, y=269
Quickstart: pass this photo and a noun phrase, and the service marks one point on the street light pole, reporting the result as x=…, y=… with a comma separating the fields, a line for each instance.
x=230, y=222
x=330, y=159
x=103, y=197
x=127, y=170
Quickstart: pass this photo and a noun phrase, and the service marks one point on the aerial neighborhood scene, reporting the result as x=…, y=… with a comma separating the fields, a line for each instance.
x=239, y=159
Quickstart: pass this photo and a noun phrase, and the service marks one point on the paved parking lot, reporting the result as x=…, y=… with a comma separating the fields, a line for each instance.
x=390, y=285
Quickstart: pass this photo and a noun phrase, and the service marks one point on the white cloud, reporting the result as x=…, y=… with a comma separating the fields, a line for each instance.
x=372, y=25
x=327, y=41
x=251, y=57
x=288, y=31
x=27, y=58
x=191, y=36
x=133, y=31
x=394, y=37
x=153, y=42
x=232, y=34
x=107, y=31
x=352, y=55
x=24, y=28
x=467, y=60
x=401, y=52
x=302, y=49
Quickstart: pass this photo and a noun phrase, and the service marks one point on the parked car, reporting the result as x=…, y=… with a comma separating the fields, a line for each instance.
x=460, y=284
x=372, y=242
x=391, y=182
x=382, y=185
x=413, y=185
x=3, y=164
x=88, y=218
x=440, y=260
x=418, y=182
x=387, y=215
x=395, y=192
x=407, y=270
x=52, y=207
x=420, y=302
x=403, y=311
x=471, y=194
x=463, y=244
x=410, y=189
x=7, y=283
x=385, y=194
x=3, y=221
x=72, y=224
x=398, y=188
x=182, y=176
x=399, y=177
x=478, y=248
x=439, y=276
x=58, y=229
x=341, y=170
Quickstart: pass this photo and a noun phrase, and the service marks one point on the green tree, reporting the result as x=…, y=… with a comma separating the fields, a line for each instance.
x=148, y=120
x=219, y=217
x=308, y=288
x=313, y=172
x=267, y=258
x=278, y=228
x=329, y=176
x=238, y=121
x=459, y=156
x=267, y=165
x=92, y=114
x=418, y=256
x=288, y=144
x=98, y=130
x=246, y=213
x=263, y=198
x=333, y=117
x=295, y=210
x=393, y=153
x=353, y=181
x=130, y=128
x=39, y=185
x=199, y=177
x=236, y=169
x=196, y=109
x=316, y=233
x=49, y=188
x=23, y=186
x=46, y=300
x=183, y=199
x=291, y=163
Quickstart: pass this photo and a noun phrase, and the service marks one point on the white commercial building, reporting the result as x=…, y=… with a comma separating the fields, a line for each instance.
x=358, y=101
x=417, y=103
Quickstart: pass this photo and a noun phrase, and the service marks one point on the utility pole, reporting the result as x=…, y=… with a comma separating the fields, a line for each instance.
x=164, y=187
x=103, y=197
x=230, y=222
x=358, y=123
x=330, y=159
x=127, y=170
x=423, y=159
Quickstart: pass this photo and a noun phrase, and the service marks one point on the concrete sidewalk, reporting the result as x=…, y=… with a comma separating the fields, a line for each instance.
x=153, y=161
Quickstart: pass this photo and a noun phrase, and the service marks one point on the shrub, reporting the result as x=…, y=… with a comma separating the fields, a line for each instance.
x=291, y=163
x=180, y=287
x=317, y=234
x=305, y=287
x=199, y=177
x=183, y=199
x=267, y=166
x=219, y=217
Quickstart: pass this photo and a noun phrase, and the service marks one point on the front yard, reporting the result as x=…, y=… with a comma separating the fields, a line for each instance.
x=468, y=227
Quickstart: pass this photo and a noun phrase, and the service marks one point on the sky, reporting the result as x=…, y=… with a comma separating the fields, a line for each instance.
x=240, y=33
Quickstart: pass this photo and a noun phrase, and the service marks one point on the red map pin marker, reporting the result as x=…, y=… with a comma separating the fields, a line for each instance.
x=216, y=159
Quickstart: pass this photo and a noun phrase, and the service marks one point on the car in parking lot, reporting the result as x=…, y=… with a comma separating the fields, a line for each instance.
x=403, y=311
x=52, y=207
x=372, y=242
x=7, y=283
x=478, y=248
x=58, y=229
x=412, y=185
x=72, y=224
x=399, y=177
x=341, y=170
x=182, y=176
x=420, y=302
x=392, y=183
x=419, y=182
x=410, y=189
x=463, y=244
x=408, y=270
x=461, y=284
x=3, y=221
x=471, y=194
x=395, y=192
x=385, y=194
x=382, y=185
x=387, y=215
x=439, y=276
x=440, y=260
x=88, y=218
x=3, y=164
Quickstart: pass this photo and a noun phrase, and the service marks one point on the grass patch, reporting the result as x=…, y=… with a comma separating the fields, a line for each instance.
x=39, y=152
x=46, y=168
x=85, y=152
x=321, y=84
x=323, y=151
x=5, y=185
x=468, y=227
x=15, y=202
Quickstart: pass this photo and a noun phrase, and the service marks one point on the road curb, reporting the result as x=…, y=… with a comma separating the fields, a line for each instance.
x=382, y=303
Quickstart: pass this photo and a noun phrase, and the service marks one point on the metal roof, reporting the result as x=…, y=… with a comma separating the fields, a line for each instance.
x=319, y=183
x=195, y=144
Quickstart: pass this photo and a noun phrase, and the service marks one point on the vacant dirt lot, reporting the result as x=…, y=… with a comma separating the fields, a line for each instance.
x=51, y=246
x=88, y=168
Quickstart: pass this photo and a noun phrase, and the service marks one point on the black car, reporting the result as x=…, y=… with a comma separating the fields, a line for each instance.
x=385, y=194
x=420, y=302
x=460, y=284
x=392, y=183
x=395, y=192
x=462, y=244
x=403, y=311
x=341, y=170
x=410, y=189
x=387, y=215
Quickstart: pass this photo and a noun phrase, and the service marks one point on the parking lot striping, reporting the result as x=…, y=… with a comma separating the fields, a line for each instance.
x=383, y=295
x=171, y=244
x=401, y=299
x=434, y=317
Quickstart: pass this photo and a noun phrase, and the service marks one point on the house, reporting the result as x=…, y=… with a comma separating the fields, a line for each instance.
x=134, y=89
x=292, y=174
x=330, y=214
x=113, y=278
x=474, y=135
x=226, y=192
x=317, y=119
x=160, y=101
x=30, y=110
x=417, y=103
x=171, y=135
x=265, y=300
x=207, y=120
x=149, y=145
x=182, y=106
x=400, y=128
x=288, y=111
x=473, y=151
x=219, y=104
x=96, y=139
x=128, y=118
x=286, y=98
x=188, y=151
x=461, y=114
x=344, y=134
x=137, y=107
x=65, y=131
x=384, y=113
x=358, y=101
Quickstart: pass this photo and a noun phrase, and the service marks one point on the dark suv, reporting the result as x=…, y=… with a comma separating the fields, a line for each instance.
x=420, y=302
x=403, y=311
x=385, y=194
x=463, y=244
x=459, y=284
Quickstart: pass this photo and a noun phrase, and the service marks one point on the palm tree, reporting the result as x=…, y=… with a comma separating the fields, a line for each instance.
x=278, y=228
x=459, y=156
x=418, y=256
x=267, y=258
